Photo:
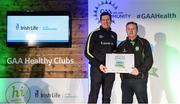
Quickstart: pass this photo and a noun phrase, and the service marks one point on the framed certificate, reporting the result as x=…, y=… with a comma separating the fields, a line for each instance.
x=119, y=63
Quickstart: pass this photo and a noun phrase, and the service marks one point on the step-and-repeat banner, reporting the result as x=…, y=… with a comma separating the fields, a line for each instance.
x=159, y=22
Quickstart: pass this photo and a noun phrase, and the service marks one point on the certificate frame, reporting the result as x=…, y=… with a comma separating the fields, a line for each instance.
x=119, y=63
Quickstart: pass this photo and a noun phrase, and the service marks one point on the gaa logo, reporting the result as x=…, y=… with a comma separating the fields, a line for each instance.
x=105, y=6
x=18, y=92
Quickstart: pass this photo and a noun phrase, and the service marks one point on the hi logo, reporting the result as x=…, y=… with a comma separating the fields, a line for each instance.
x=18, y=92
x=105, y=6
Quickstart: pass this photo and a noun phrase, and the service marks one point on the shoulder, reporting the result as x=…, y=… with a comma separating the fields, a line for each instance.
x=94, y=32
x=144, y=41
x=112, y=32
x=122, y=43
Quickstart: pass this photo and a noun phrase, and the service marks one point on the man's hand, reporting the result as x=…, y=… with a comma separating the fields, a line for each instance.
x=102, y=68
x=134, y=71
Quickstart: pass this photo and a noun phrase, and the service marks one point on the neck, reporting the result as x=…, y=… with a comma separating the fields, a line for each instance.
x=108, y=28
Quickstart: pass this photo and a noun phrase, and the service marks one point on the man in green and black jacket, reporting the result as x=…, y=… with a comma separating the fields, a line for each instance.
x=136, y=81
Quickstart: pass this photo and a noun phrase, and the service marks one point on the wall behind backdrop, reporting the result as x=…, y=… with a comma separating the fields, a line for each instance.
x=158, y=22
x=43, y=83
x=77, y=69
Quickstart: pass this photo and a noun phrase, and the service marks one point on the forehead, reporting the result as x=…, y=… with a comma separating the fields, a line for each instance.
x=105, y=17
x=131, y=26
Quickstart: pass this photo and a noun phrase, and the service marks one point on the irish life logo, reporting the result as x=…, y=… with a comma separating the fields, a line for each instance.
x=17, y=26
x=18, y=92
x=105, y=6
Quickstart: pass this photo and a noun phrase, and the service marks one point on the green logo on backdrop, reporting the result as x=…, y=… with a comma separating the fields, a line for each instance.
x=18, y=92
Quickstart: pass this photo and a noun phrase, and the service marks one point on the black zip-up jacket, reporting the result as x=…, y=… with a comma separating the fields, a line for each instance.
x=143, y=56
x=100, y=42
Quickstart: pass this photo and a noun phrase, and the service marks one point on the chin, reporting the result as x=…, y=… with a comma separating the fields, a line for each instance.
x=106, y=27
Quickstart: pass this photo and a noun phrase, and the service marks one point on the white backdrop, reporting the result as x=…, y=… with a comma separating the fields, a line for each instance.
x=159, y=22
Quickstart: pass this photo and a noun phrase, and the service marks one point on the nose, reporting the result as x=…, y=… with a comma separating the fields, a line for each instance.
x=106, y=21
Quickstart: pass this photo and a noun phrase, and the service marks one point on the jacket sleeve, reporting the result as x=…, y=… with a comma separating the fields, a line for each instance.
x=147, y=58
x=89, y=50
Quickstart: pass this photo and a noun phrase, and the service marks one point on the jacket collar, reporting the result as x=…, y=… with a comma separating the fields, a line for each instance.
x=135, y=40
x=101, y=28
x=132, y=40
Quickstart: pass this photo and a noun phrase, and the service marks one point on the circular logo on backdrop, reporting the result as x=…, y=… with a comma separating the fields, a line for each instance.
x=105, y=6
x=18, y=92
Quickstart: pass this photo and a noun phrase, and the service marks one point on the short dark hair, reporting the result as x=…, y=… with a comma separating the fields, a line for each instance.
x=134, y=23
x=105, y=13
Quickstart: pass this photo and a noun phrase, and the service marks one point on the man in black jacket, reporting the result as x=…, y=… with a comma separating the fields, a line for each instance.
x=136, y=81
x=100, y=42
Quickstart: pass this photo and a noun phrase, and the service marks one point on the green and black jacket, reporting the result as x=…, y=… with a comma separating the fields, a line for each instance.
x=100, y=42
x=141, y=49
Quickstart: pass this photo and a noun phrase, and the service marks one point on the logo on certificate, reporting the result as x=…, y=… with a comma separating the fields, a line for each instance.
x=119, y=61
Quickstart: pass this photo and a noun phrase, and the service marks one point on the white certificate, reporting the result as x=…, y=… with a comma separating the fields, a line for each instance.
x=119, y=63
